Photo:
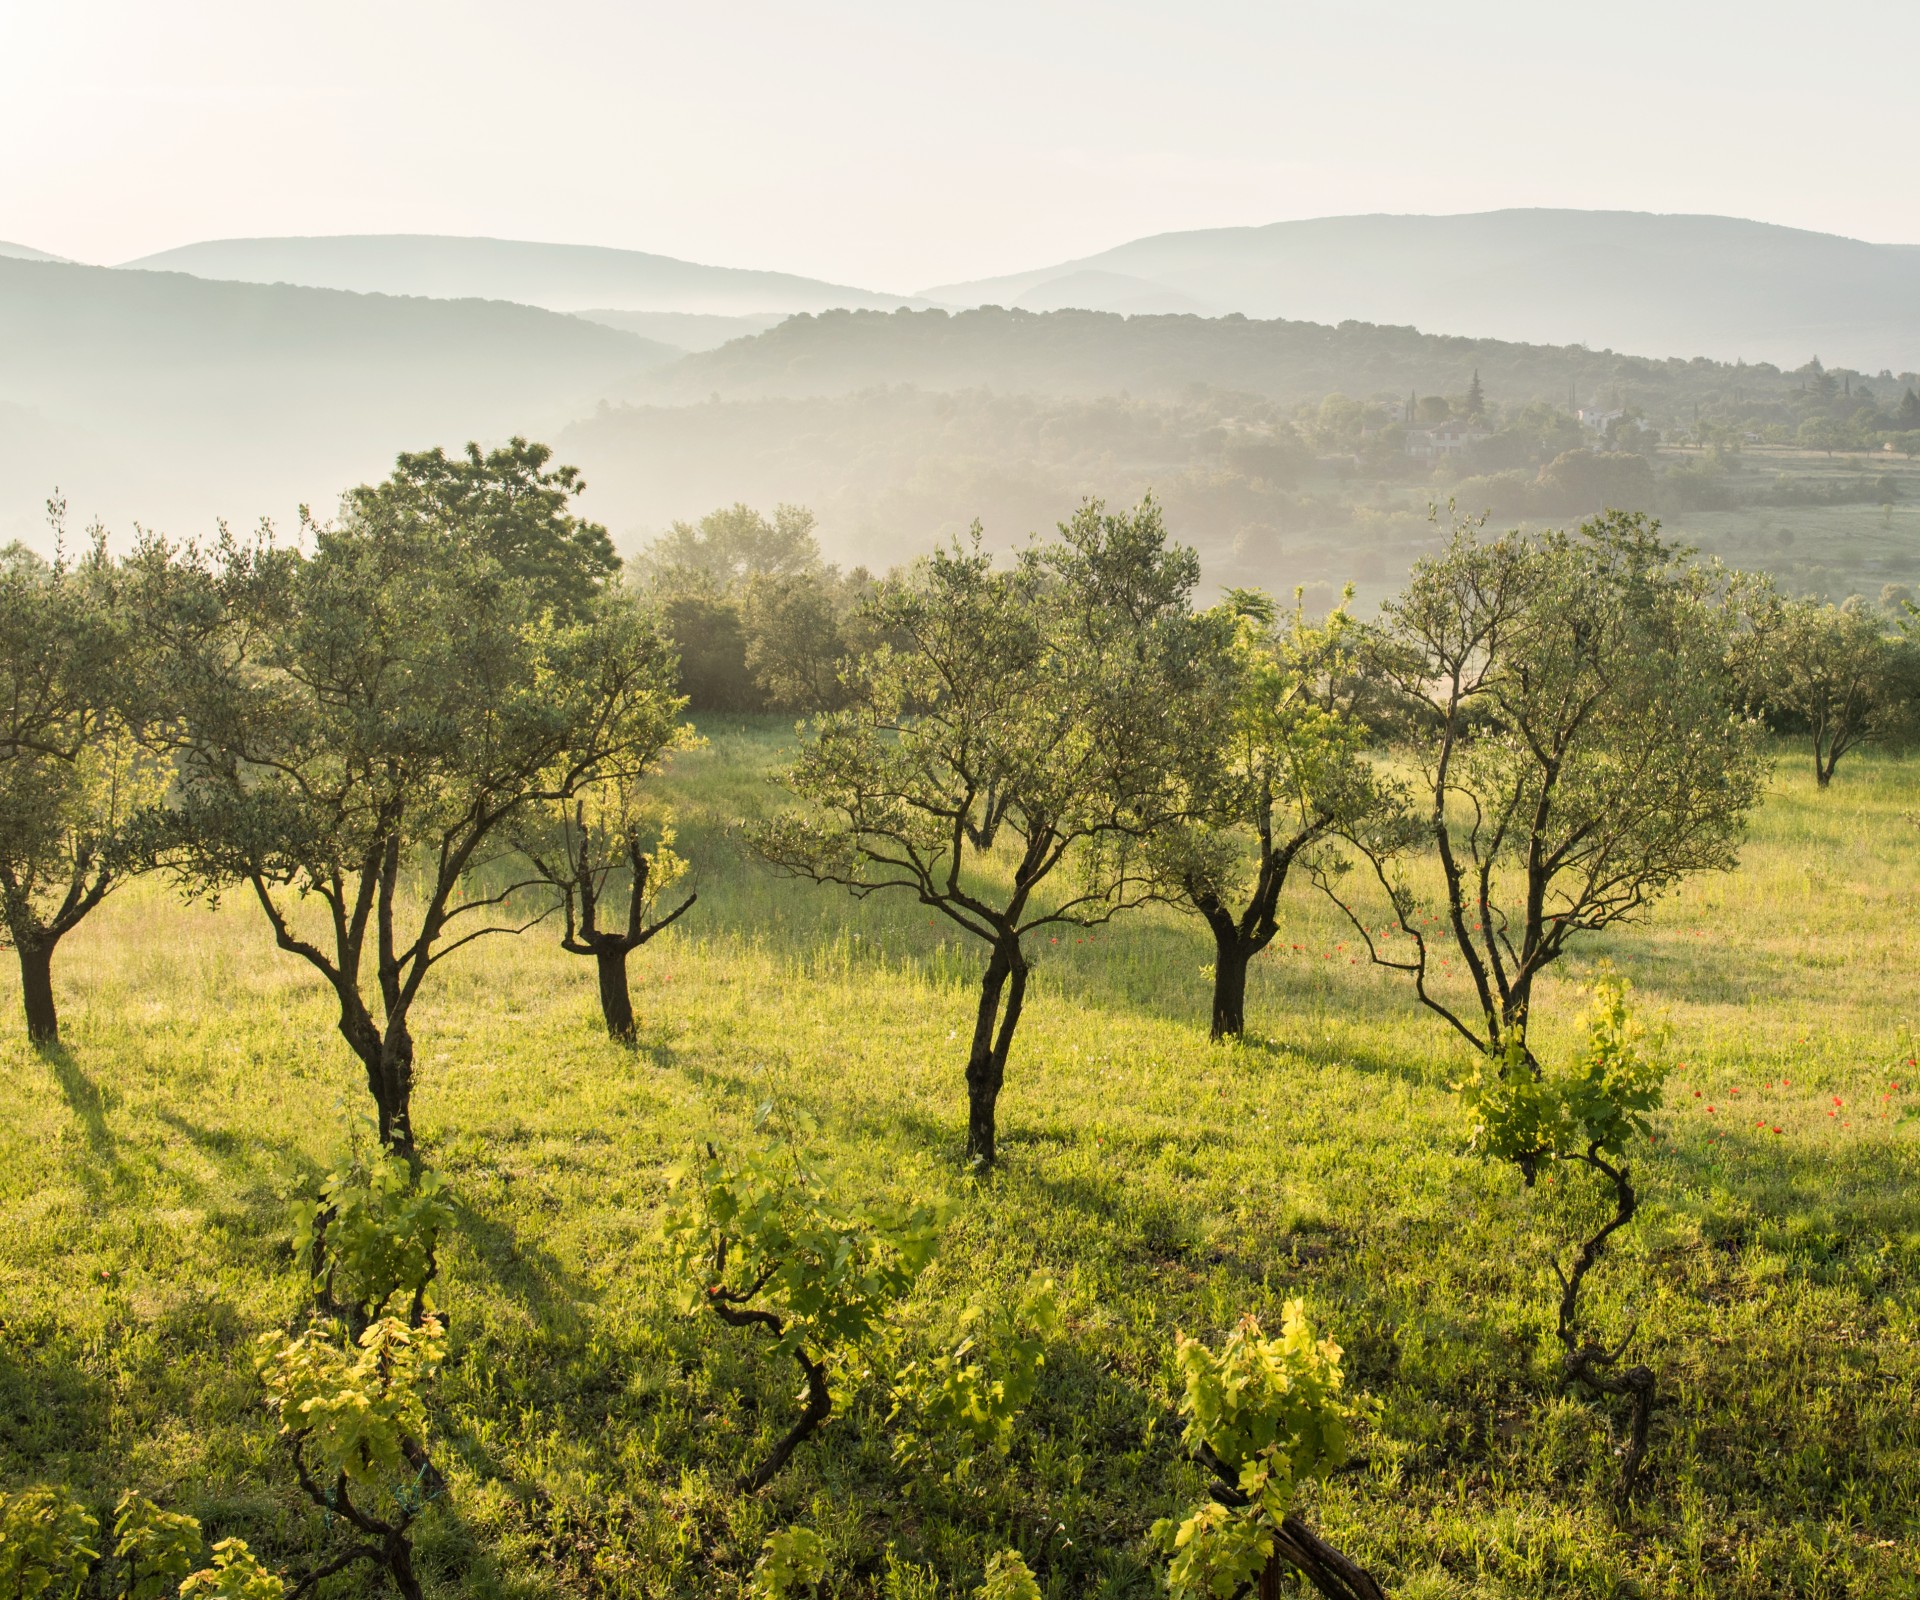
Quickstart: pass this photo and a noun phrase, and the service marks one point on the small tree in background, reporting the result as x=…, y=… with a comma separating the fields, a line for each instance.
x=1023, y=730
x=730, y=545
x=1569, y=707
x=1584, y=1117
x=1278, y=765
x=78, y=787
x=761, y=619
x=364, y=725
x=1835, y=671
x=601, y=848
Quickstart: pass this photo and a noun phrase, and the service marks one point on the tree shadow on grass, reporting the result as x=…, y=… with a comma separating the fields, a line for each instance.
x=1324, y=1055
x=529, y=1274
x=83, y=1098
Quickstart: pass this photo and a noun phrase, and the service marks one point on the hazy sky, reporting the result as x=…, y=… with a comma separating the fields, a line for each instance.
x=895, y=144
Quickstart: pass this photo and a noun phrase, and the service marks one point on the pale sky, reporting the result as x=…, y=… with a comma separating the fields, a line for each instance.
x=893, y=145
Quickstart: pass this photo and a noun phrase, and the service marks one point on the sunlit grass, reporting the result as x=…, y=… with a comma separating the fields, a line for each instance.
x=591, y=1432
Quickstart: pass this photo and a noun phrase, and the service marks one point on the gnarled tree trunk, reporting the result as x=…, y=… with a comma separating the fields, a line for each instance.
x=1006, y=976
x=616, y=998
x=36, y=989
x=387, y=1056
x=1230, y=960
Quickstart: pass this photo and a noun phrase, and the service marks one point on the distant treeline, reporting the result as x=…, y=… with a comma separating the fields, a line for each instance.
x=1265, y=491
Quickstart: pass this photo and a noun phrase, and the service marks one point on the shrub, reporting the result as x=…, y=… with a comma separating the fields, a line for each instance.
x=45, y=1547
x=1585, y=1116
x=766, y=1243
x=1008, y=1578
x=235, y=1575
x=793, y=1560
x=158, y=1547
x=1264, y=1416
x=350, y=1387
x=965, y=1399
x=372, y=1232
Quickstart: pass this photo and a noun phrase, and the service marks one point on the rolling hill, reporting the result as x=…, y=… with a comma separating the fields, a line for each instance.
x=174, y=400
x=560, y=277
x=1085, y=353
x=1655, y=285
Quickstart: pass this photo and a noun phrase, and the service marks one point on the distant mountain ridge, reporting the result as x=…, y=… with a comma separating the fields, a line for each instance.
x=1649, y=284
x=24, y=252
x=174, y=399
x=558, y=277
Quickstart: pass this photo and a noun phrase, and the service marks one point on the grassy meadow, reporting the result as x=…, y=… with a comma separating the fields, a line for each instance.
x=591, y=1431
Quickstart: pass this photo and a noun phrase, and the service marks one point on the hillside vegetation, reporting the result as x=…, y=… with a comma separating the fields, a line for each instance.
x=1531, y=1213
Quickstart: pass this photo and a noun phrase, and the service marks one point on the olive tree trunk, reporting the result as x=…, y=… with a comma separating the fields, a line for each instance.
x=1231, y=955
x=36, y=990
x=1004, y=980
x=616, y=998
x=387, y=1055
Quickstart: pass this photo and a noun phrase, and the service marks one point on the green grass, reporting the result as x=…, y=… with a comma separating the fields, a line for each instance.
x=591, y=1432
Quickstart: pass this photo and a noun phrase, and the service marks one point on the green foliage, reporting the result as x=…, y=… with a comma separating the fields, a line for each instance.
x=159, y=1547
x=506, y=505
x=360, y=723
x=792, y=1561
x=1031, y=712
x=1165, y=1180
x=1569, y=704
x=732, y=545
x=79, y=785
x=1601, y=1103
x=236, y=1574
x=356, y=1407
x=1837, y=673
x=1274, y=766
x=975, y=1390
x=766, y=1230
x=759, y=618
x=45, y=1547
x=1008, y=1578
x=1036, y=703
x=1267, y=1416
x=372, y=1231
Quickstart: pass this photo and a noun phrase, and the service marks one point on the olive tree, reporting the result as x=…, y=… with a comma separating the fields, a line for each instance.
x=610, y=857
x=1277, y=764
x=77, y=786
x=1006, y=757
x=1573, y=722
x=364, y=722
x=1835, y=671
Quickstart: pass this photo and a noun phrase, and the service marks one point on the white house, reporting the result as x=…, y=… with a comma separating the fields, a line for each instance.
x=1444, y=439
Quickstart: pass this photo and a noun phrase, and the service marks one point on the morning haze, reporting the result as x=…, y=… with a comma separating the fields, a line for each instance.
x=898, y=803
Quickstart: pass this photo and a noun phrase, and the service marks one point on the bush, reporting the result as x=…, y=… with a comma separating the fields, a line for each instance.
x=44, y=1544
x=765, y=1242
x=1265, y=1416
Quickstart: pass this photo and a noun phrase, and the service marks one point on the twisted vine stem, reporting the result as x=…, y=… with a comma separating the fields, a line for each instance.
x=1585, y=1360
x=1334, y=1573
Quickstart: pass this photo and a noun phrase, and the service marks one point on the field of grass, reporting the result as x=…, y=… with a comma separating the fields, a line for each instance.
x=591, y=1431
